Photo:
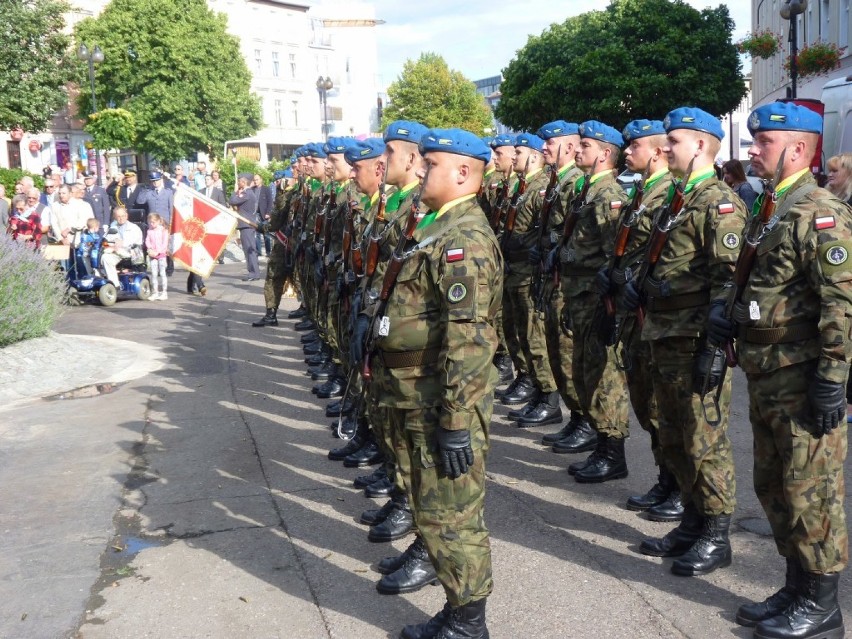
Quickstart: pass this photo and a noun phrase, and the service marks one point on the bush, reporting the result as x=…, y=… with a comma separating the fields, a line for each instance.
x=31, y=292
x=244, y=165
x=8, y=178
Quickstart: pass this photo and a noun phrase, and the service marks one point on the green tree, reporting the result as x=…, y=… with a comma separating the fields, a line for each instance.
x=38, y=63
x=635, y=59
x=429, y=92
x=176, y=70
x=112, y=128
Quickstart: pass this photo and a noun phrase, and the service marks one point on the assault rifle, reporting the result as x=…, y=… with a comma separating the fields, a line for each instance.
x=667, y=220
x=572, y=216
x=757, y=228
x=325, y=247
x=544, y=229
x=499, y=205
x=376, y=233
x=512, y=213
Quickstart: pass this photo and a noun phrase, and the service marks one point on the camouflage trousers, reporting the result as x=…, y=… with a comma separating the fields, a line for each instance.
x=501, y=334
x=601, y=386
x=699, y=455
x=640, y=385
x=531, y=335
x=509, y=326
x=560, y=351
x=798, y=478
x=273, y=287
x=449, y=514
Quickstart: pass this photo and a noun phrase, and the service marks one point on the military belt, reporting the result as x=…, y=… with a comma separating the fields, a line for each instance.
x=518, y=256
x=407, y=359
x=678, y=302
x=779, y=335
x=569, y=270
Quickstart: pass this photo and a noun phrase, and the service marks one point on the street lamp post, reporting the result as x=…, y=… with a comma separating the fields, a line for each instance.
x=324, y=85
x=93, y=57
x=790, y=10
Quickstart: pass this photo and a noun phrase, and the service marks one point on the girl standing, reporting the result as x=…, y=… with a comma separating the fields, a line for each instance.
x=157, y=243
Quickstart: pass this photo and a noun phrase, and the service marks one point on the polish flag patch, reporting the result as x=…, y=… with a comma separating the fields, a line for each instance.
x=725, y=208
x=615, y=205
x=455, y=255
x=824, y=222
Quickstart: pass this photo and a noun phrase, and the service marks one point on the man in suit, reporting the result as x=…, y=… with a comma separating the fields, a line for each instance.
x=97, y=198
x=264, y=208
x=128, y=195
x=213, y=192
x=244, y=201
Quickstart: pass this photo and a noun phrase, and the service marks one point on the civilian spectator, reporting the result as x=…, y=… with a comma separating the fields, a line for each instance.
x=200, y=174
x=64, y=218
x=734, y=176
x=159, y=199
x=244, y=201
x=264, y=208
x=839, y=169
x=217, y=181
x=97, y=198
x=49, y=195
x=212, y=191
x=34, y=205
x=69, y=175
x=90, y=244
x=157, y=244
x=4, y=207
x=178, y=178
x=78, y=192
x=121, y=237
x=24, y=224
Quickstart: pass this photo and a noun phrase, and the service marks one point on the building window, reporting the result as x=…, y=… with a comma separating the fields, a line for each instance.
x=812, y=34
x=258, y=62
x=292, y=66
x=824, y=20
x=279, y=117
x=275, y=64
x=295, y=114
x=843, y=38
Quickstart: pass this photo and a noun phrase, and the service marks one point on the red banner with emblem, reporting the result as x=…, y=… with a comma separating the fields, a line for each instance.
x=200, y=230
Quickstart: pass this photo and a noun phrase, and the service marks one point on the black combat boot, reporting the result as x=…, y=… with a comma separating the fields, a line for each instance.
x=547, y=411
x=310, y=336
x=379, y=488
x=504, y=368
x=608, y=463
x=323, y=371
x=533, y=401
x=679, y=540
x=466, y=622
x=430, y=629
x=306, y=324
x=373, y=516
x=367, y=455
x=389, y=565
x=362, y=481
x=751, y=614
x=658, y=493
x=299, y=313
x=333, y=387
x=312, y=348
x=362, y=433
x=562, y=433
x=318, y=358
x=417, y=571
x=669, y=510
x=523, y=391
x=398, y=523
x=345, y=428
x=583, y=438
x=814, y=613
x=270, y=319
x=340, y=407
x=710, y=551
x=577, y=466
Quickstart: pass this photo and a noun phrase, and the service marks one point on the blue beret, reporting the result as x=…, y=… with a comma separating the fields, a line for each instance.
x=314, y=150
x=557, y=129
x=531, y=141
x=642, y=129
x=488, y=139
x=286, y=173
x=503, y=139
x=601, y=132
x=694, y=119
x=456, y=141
x=156, y=175
x=784, y=116
x=366, y=149
x=405, y=131
x=337, y=145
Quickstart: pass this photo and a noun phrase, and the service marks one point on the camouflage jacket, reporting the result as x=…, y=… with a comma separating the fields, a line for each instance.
x=654, y=197
x=592, y=241
x=398, y=208
x=697, y=260
x=283, y=206
x=802, y=276
x=443, y=307
x=490, y=183
x=525, y=233
x=567, y=189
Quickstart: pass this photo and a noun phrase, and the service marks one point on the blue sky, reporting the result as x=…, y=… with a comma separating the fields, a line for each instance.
x=480, y=37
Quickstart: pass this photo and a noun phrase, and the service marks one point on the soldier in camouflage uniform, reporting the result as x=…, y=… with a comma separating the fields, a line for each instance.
x=601, y=386
x=697, y=260
x=294, y=228
x=314, y=159
x=645, y=140
x=561, y=141
x=794, y=345
x=543, y=406
x=435, y=355
x=273, y=287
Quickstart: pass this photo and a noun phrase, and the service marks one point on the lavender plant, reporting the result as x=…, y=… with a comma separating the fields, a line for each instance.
x=32, y=292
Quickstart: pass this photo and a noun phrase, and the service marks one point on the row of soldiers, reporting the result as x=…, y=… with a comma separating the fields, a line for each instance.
x=461, y=262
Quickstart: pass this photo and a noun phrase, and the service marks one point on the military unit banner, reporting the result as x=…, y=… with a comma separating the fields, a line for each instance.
x=200, y=230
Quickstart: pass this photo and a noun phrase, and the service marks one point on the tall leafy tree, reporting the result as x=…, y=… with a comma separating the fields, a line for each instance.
x=429, y=92
x=176, y=70
x=37, y=64
x=635, y=59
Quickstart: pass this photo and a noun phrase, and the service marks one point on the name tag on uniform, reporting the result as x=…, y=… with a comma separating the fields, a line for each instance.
x=753, y=310
x=384, y=326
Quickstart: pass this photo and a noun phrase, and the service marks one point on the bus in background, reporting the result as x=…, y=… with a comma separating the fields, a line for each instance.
x=257, y=150
x=837, y=126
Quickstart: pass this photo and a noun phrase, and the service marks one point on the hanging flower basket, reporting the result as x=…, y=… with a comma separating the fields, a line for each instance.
x=817, y=59
x=760, y=44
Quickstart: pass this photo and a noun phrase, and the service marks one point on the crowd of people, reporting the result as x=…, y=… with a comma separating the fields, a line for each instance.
x=433, y=265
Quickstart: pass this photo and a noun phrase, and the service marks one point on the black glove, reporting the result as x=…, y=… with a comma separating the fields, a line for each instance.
x=712, y=360
x=340, y=286
x=603, y=282
x=359, y=339
x=631, y=296
x=534, y=256
x=719, y=328
x=828, y=405
x=263, y=227
x=552, y=259
x=455, y=451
